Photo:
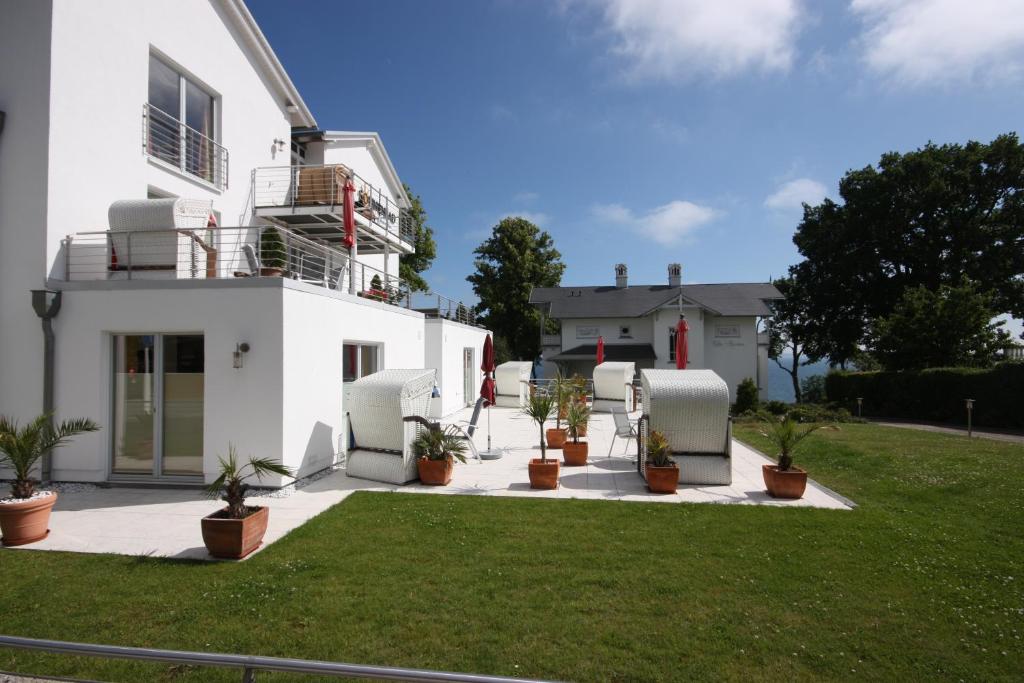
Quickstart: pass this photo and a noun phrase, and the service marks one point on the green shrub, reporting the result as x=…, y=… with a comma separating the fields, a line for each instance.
x=813, y=389
x=272, y=249
x=936, y=394
x=776, y=407
x=747, y=399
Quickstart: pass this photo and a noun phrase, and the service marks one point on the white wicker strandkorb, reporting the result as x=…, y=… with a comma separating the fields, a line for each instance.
x=613, y=386
x=164, y=254
x=691, y=408
x=376, y=406
x=511, y=383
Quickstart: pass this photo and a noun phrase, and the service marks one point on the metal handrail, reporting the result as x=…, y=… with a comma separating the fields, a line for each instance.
x=174, y=142
x=250, y=664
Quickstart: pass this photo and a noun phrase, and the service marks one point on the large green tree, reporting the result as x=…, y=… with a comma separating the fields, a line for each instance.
x=922, y=219
x=517, y=257
x=411, y=266
x=787, y=331
x=950, y=326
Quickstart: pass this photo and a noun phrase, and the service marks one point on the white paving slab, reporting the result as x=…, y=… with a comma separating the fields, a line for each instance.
x=165, y=522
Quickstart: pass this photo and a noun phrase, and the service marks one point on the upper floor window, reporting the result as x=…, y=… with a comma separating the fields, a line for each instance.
x=672, y=344
x=298, y=153
x=625, y=332
x=181, y=124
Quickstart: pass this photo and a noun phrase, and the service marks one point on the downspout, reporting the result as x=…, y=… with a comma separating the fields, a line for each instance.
x=46, y=304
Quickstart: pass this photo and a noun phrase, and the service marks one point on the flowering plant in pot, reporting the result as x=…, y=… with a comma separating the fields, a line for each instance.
x=560, y=392
x=575, y=453
x=25, y=515
x=661, y=470
x=785, y=480
x=543, y=472
x=438, y=449
x=236, y=530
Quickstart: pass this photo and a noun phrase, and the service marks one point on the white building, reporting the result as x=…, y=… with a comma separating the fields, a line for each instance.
x=176, y=336
x=638, y=324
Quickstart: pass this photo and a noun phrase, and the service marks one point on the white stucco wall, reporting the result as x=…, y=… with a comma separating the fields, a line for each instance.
x=445, y=341
x=731, y=349
x=639, y=328
x=665, y=319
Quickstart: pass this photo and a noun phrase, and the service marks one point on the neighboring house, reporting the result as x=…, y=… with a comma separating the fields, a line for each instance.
x=638, y=324
x=182, y=337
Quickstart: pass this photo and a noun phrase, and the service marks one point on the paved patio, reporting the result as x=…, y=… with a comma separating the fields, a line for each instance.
x=165, y=522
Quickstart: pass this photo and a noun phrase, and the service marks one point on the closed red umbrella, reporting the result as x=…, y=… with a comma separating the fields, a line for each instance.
x=681, y=343
x=600, y=350
x=487, y=366
x=350, y=213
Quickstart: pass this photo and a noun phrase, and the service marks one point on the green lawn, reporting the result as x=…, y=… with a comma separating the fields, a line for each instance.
x=922, y=581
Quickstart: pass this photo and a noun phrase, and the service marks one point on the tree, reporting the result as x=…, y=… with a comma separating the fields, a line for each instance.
x=787, y=331
x=812, y=389
x=517, y=257
x=921, y=219
x=948, y=327
x=410, y=266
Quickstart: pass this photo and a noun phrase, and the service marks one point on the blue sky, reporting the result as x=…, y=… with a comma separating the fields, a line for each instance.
x=647, y=131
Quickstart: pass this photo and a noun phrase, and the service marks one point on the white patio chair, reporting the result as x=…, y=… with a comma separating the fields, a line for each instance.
x=624, y=428
x=467, y=428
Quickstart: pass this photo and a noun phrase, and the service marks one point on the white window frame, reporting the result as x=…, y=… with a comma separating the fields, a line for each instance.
x=377, y=346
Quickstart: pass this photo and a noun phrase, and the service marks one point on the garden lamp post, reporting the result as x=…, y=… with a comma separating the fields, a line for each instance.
x=969, y=404
x=860, y=404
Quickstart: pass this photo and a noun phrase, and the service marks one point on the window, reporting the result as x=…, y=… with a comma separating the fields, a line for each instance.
x=624, y=331
x=359, y=360
x=672, y=344
x=298, y=153
x=181, y=124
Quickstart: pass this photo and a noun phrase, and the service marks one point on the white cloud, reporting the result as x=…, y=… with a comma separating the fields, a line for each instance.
x=921, y=41
x=795, y=193
x=680, y=39
x=667, y=224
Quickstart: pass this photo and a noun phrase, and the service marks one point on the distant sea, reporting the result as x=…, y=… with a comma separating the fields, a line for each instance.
x=780, y=386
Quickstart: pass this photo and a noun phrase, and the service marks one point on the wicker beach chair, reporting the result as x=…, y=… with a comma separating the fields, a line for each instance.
x=691, y=408
x=512, y=384
x=378, y=405
x=613, y=386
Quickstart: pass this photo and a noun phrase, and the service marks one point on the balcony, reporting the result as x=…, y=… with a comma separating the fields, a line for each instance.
x=169, y=141
x=310, y=200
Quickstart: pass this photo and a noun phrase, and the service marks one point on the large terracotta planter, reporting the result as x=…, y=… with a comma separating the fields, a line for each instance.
x=435, y=472
x=662, y=479
x=556, y=438
x=575, y=454
x=26, y=521
x=233, y=539
x=788, y=484
x=543, y=475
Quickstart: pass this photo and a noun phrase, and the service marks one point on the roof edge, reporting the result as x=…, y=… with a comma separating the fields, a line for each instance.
x=380, y=155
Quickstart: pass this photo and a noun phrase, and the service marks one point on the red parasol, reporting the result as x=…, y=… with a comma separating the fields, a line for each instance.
x=600, y=350
x=350, y=213
x=681, y=343
x=487, y=366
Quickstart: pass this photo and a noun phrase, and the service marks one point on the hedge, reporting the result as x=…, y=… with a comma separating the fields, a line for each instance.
x=936, y=394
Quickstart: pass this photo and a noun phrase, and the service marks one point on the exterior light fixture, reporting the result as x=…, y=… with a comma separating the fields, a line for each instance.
x=969, y=404
x=238, y=355
x=280, y=144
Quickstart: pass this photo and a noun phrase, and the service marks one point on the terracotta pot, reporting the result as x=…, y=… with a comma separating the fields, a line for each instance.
x=436, y=472
x=788, y=484
x=233, y=539
x=662, y=479
x=556, y=438
x=543, y=475
x=27, y=521
x=575, y=454
x=266, y=271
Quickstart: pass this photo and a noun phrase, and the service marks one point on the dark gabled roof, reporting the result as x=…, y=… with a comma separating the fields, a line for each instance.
x=612, y=352
x=740, y=298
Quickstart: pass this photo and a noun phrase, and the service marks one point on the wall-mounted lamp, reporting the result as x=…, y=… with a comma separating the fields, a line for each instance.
x=280, y=144
x=238, y=354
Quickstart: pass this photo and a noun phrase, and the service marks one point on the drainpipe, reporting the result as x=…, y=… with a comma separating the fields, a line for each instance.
x=46, y=304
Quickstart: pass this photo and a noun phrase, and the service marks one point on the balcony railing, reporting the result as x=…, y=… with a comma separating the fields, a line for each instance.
x=300, y=189
x=434, y=305
x=186, y=149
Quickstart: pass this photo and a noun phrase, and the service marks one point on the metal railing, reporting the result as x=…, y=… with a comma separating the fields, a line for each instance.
x=308, y=186
x=435, y=305
x=187, y=149
x=250, y=665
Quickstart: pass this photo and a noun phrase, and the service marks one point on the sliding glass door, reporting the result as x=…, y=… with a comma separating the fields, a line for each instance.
x=158, y=404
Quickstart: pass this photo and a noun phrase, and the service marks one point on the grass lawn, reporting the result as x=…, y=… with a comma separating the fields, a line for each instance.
x=922, y=581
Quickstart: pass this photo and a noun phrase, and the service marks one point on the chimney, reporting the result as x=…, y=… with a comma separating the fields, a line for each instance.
x=621, y=275
x=675, y=275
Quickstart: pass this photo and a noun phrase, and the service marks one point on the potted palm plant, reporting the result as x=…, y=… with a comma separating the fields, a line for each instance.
x=575, y=453
x=543, y=472
x=272, y=253
x=25, y=515
x=437, y=450
x=560, y=395
x=236, y=530
x=784, y=480
x=579, y=393
x=661, y=470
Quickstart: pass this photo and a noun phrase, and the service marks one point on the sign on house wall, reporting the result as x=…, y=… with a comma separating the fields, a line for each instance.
x=588, y=331
x=727, y=331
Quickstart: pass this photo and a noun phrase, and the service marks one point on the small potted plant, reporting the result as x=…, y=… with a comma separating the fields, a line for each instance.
x=25, y=515
x=437, y=450
x=579, y=391
x=236, y=530
x=560, y=395
x=575, y=453
x=661, y=470
x=543, y=472
x=272, y=253
x=784, y=480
